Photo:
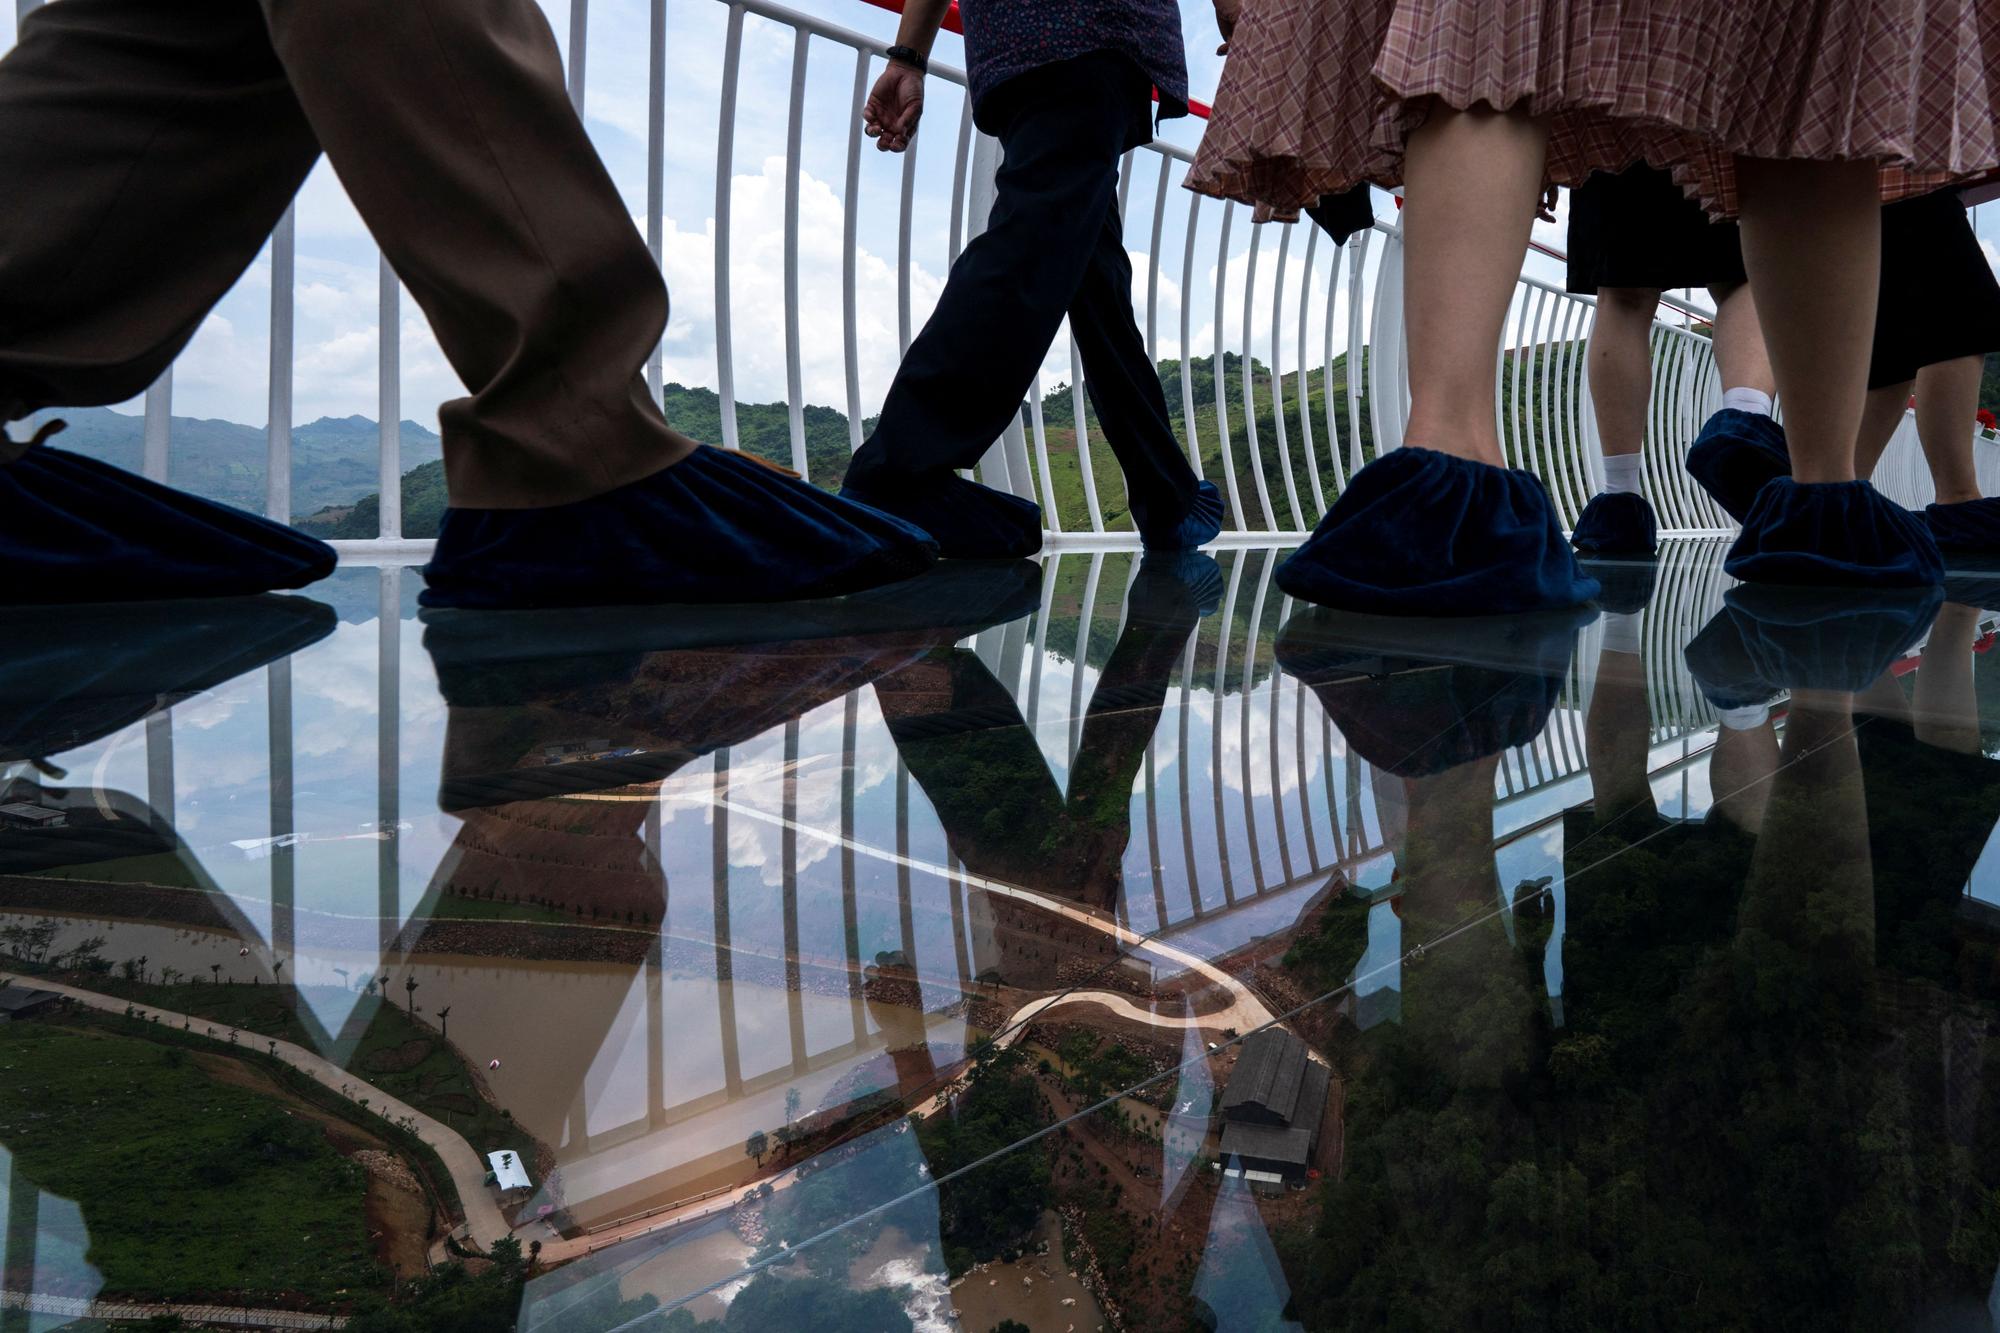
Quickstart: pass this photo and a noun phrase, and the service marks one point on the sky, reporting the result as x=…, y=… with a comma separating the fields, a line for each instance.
x=224, y=372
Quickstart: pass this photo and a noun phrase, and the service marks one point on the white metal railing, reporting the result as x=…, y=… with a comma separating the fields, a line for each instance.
x=1283, y=462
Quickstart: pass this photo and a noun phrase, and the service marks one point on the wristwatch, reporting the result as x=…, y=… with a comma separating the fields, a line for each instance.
x=909, y=55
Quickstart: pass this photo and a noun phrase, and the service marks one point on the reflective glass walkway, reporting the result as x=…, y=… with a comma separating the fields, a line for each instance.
x=1106, y=943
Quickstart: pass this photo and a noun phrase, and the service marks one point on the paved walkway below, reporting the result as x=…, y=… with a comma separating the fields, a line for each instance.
x=227, y=1316
x=467, y=1168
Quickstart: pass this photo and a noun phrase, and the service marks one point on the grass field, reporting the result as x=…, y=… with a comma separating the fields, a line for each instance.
x=393, y=1052
x=188, y=1187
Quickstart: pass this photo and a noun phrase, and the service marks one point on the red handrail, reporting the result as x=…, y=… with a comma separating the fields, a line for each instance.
x=952, y=23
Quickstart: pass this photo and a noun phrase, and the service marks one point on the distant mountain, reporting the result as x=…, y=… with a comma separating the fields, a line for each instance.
x=333, y=458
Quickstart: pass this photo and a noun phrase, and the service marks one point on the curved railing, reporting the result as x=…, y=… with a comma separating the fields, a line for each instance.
x=1297, y=397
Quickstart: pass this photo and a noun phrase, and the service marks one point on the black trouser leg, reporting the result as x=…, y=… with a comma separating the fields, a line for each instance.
x=1124, y=386
x=966, y=374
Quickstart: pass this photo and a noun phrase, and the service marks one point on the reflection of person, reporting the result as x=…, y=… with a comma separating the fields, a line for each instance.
x=1933, y=794
x=162, y=143
x=1472, y=105
x=1633, y=235
x=1064, y=86
x=960, y=733
x=1939, y=317
x=1436, y=708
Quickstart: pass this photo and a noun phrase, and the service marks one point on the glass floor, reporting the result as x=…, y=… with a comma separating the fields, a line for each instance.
x=1102, y=943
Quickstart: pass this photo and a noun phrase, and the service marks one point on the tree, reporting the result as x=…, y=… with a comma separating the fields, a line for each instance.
x=215, y=974
x=410, y=989
x=757, y=1145
x=506, y=1252
x=444, y=1022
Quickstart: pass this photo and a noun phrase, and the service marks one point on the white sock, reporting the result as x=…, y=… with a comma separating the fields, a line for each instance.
x=1621, y=473
x=1746, y=717
x=1754, y=401
x=1621, y=632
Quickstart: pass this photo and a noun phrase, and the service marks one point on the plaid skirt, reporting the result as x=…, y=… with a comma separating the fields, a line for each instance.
x=1318, y=95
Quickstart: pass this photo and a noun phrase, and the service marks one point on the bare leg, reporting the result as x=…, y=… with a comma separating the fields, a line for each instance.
x=1880, y=415
x=1739, y=773
x=1812, y=241
x=1470, y=181
x=1947, y=398
x=1618, y=733
x=1740, y=356
x=1946, y=707
x=1621, y=366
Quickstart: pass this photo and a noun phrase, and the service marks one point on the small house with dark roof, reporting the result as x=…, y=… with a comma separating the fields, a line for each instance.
x=1272, y=1108
x=19, y=1002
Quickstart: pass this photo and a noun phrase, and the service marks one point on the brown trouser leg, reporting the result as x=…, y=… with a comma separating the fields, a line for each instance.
x=146, y=150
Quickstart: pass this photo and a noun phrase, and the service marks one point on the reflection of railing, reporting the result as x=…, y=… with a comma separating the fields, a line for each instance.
x=1283, y=458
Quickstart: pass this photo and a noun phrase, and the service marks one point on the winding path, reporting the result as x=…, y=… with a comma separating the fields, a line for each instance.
x=467, y=1168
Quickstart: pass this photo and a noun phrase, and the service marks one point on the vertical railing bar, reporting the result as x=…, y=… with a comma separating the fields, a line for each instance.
x=1334, y=456
x=1051, y=513
x=788, y=886
x=388, y=750
x=1299, y=754
x=579, y=43
x=1305, y=379
x=725, y=167
x=1153, y=833
x=903, y=259
x=656, y=167
x=1082, y=659
x=160, y=765
x=158, y=427
x=1278, y=377
x=850, y=243
x=283, y=815
x=1124, y=183
x=1221, y=376
x=850, y=914
x=960, y=161
x=1186, y=348
x=795, y=407
x=1181, y=763
x=1245, y=698
x=1554, y=403
x=389, y=413
x=1225, y=629
x=278, y=409
x=1251, y=443
x=1153, y=268
x=1357, y=254
x=1049, y=572
x=1076, y=402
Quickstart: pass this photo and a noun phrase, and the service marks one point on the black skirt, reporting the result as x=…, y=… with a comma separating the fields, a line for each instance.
x=1939, y=300
x=1636, y=229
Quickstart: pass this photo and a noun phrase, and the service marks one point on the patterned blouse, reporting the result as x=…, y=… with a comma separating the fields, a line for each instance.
x=1005, y=38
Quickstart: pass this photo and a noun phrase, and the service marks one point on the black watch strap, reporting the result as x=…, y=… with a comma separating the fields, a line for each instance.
x=909, y=55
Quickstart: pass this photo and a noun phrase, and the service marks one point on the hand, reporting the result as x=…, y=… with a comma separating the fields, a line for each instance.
x=1546, y=211
x=1226, y=14
x=894, y=107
